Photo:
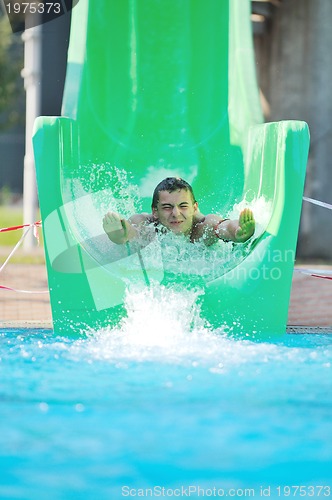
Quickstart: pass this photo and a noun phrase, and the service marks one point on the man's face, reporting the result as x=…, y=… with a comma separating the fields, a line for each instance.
x=176, y=211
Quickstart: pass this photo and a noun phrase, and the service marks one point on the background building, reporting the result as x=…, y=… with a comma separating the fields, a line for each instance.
x=54, y=43
x=12, y=110
x=293, y=42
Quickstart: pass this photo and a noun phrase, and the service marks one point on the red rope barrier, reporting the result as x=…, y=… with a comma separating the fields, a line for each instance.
x=313, y=273
x=35, y=226
x=9, y=289
x=321, y=276
x=14, y=228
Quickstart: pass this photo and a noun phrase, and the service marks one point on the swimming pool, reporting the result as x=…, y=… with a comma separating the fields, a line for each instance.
x=127, y=411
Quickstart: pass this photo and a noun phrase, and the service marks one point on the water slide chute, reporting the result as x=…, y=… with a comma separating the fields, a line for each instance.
x=156, y=89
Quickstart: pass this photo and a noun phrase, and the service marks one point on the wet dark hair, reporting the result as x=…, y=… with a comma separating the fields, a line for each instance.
x=171, y=184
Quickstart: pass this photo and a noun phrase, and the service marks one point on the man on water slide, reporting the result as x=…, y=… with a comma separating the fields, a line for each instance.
x=175, y=208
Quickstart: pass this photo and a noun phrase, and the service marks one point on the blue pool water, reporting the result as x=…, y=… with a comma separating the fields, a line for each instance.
x=127, y=411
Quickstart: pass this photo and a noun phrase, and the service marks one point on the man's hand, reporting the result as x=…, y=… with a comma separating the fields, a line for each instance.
x=115, y=227
x=246, y=226
x=112, y=222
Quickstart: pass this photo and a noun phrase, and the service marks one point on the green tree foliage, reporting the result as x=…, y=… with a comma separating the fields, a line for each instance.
x=11, y=82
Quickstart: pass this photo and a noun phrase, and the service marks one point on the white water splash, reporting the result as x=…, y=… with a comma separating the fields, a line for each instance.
x=163, y=325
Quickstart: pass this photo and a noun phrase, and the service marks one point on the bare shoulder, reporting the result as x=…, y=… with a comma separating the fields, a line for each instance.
x=209, y=220
x=213, y=219
x=139, y=219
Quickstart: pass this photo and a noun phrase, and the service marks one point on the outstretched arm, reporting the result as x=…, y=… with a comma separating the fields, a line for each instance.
x=238, y=231
x=212, y=228
x=118, y=229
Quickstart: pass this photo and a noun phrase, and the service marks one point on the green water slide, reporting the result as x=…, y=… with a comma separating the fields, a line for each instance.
x=159, y=88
